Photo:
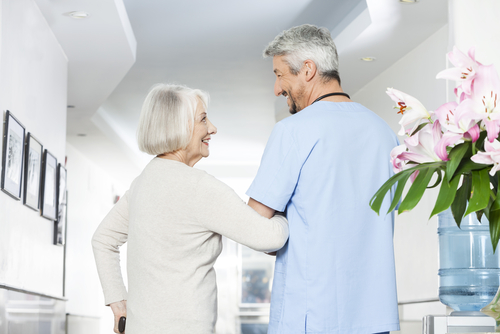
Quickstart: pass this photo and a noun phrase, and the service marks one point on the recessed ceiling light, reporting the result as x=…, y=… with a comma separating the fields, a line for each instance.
x=408, y=1
x=78, y=15
x=368, y=59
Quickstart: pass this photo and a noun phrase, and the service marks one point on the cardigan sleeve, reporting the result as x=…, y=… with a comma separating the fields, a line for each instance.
x=224, y=212
x=106, y=242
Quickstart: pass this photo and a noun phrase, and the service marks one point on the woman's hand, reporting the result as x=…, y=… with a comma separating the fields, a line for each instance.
x=119, y=310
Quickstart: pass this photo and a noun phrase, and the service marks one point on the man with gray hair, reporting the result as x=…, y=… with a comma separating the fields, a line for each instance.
x=336, y=274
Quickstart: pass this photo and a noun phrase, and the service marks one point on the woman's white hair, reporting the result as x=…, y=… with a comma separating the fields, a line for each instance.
x=304, y=42
x=167, y=118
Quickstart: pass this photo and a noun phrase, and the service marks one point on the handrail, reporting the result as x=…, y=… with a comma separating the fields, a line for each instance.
x=13, y=288
x=419, y=301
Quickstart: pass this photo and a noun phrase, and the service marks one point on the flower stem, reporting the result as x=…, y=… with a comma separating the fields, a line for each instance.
x=474, y=148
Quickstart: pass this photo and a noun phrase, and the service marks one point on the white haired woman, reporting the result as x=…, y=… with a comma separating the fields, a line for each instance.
x=173, y=217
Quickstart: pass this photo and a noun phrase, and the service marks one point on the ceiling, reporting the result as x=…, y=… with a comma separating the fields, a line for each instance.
x=215, y=46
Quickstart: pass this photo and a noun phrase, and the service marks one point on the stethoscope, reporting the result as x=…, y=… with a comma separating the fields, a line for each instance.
x=331, y=94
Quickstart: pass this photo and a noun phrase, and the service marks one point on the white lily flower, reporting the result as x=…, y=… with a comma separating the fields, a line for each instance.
x=412, y=110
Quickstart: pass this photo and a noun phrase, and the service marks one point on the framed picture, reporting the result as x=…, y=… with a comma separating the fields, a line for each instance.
x=61, y=185
x=49, y=186
x=60, y=224
x=32, y=172
x=13, y=152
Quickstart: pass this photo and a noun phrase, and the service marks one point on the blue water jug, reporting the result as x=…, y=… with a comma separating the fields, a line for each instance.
x=468, y=268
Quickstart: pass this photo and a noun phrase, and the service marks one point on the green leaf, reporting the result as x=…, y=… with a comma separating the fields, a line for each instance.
x=455, y=156
x=460, y=202
x=446, y=195
x=494, y=219
x=440, y=177
x=480, y=141
x=417, y=189
x=490, y=204
x=494, y=182
x=420, y=127
x=479, y=214
x=496, y=203
x=378, y=198
x=480, y=191
x=399, y=191
x=469, y=166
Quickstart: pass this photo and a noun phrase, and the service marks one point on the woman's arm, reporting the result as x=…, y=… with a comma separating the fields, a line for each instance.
x=119, y=310
x=106, y=242
x=223, y=211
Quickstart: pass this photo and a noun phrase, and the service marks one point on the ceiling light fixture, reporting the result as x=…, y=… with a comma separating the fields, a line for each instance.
x=368, y=58
x=78, y=15
x=408, y=1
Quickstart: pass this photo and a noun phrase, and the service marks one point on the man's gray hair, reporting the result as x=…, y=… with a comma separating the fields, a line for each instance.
x=304, y=42
x=167, y=118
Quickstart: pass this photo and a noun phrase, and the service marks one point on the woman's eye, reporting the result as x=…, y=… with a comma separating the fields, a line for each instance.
x=204, y=119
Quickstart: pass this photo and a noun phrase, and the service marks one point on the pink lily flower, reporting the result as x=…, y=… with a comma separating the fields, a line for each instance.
x=455, y=120
x=456, y=128
x=398, y=164
x=484, y=103
x=490, y=157
x=417, y=149
x=412, y=110
x=421, y=145
x=465, y=70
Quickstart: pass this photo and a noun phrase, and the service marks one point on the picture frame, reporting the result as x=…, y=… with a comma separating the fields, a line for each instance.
x=60, y=223
x=12, y=156
x=48, y=195
x=61, y=185
x=32, y=172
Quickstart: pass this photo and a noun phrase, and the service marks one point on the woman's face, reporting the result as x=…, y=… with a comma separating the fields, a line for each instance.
x=198, y=147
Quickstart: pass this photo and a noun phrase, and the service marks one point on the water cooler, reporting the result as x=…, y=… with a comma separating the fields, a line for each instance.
x=468, y=276
x=444, y=324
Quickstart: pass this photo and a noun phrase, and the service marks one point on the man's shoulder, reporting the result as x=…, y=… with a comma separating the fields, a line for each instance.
x=320, y=112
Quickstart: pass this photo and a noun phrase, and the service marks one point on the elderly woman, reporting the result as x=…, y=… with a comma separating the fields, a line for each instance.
x=173, y=217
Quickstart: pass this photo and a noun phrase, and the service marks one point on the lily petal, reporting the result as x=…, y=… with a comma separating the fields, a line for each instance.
x=474, y=133
x=448, y=139
x=487, y=81
x=454, y=73
x=492, y=128
x=482, y=158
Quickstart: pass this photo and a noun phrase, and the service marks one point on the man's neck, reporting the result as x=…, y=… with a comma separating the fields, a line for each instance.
x=321, y=89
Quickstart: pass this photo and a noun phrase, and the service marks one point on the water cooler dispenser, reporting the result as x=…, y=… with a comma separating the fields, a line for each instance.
x=468, y=276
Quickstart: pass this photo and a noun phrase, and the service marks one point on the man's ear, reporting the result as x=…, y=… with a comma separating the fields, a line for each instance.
x=309, y=69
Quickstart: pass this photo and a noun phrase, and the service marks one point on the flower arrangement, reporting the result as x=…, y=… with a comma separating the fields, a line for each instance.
x=459, y=142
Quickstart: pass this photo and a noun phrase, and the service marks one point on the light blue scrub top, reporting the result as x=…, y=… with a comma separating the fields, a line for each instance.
x=336, y=273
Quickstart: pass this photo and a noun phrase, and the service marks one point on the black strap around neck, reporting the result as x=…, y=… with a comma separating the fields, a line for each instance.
x=331, y=94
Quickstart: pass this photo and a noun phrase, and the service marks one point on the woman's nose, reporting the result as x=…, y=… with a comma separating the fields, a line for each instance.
x=211, y=128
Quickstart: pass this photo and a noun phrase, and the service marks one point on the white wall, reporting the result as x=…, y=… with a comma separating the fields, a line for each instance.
x=33, y=81
x=91, y=193
x=473, y=24
x=415, y=236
